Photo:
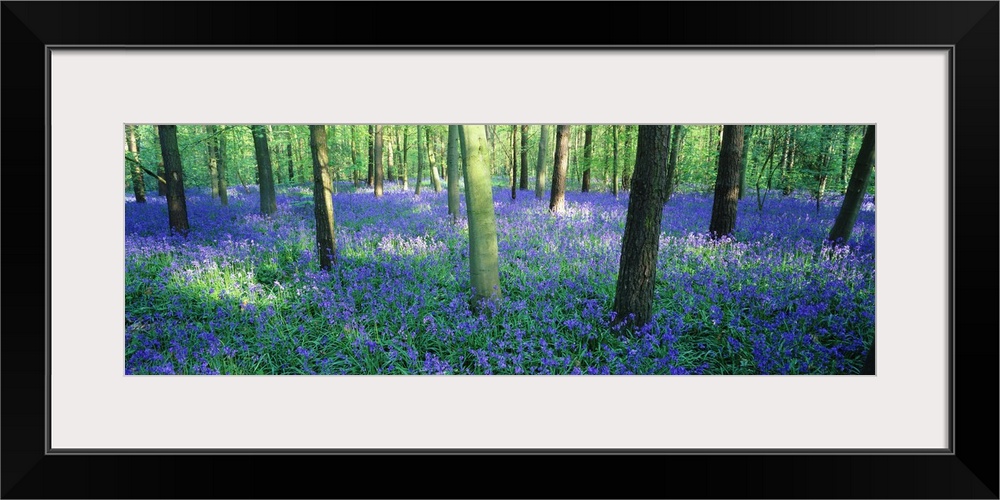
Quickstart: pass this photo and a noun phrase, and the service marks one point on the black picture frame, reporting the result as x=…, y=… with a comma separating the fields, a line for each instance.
x=970, y=470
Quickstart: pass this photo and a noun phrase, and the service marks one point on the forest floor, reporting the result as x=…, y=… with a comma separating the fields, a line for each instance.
x=243, y=293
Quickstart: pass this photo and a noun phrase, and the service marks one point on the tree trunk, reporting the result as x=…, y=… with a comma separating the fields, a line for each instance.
x=614, y=163
x=633, y=304
x=727, y=182
x=543, y=143
x=435, y=178
x=326, y=243
x=484, y=268
x=787, y=184
x=161, y=185
x=174, y=174
x=747, y=130
x=354, y=158
x=268, y=202
x=420, y=160
x=675, y=145
x=588, y=154
x=513, y=162
x=845, y=147
x=213, y=160
x=371, y=156
x=557, y=200
x=377, y=156
x=524, y=158
x=291, y=164
x=453, y=171
x=844, y=224
x=138, y=182
x=390, y=171
x=222, y=165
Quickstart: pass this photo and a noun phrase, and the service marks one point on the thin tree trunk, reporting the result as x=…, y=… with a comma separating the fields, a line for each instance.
x=138, y=183
x=727, y=183
x=223, y=165
x=863, y=165
x=371, y=156
x=174, y=172
x=543, y=143
x=291, y=164
x=268, y=202
x=524, y=158
x=588, y=154
x=557, y=200
x=377, y=156
x=420, y=160
x=435, y=179
x=675, y=145
x=845, y=147
x=614, y=163
x=354, y=158
x=633, y=305
x=213, y=160
x=747, y=130
x=788, y=184
x=513, y=162
x=483, y=251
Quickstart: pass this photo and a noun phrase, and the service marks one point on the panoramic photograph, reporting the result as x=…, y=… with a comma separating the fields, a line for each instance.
x=499, y=249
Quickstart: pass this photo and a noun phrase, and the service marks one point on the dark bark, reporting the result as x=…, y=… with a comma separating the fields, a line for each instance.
x=557, y=199
x=354, y=158
x=220, y=141
x=641, y=241
x=404, y=173
x=138, y=182
x=326, y=244
x=174, y=173
x=727, y=182
x=377, y=155
x=161, y=174
x=265, y=174
x=291, y=164
x=844, y=224
x=588, y=154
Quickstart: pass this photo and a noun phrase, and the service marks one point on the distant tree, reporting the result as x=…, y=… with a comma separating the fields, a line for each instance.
x=614, y=163
x=213, y=159
x=543, y=142
x=326, y=243
x=435, y=178
x=483, y=251
x=524, y=157
x=420, y=160
x=371, y=156
x=404, y=173
x=845, y=151
x=676, y=143
x=377, y=156
x=138, y=182
x=787, y=184
x=174, y=173
x=557, y=200
x=513, y=162
x=727, y=182
x=588, y=154
x=288, y=152
x=863, y=164
x=747, y=130
x=641, y=241
x=453, y=171
x=265, y=175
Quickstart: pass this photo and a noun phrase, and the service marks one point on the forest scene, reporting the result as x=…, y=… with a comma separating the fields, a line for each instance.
x=499, y=249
